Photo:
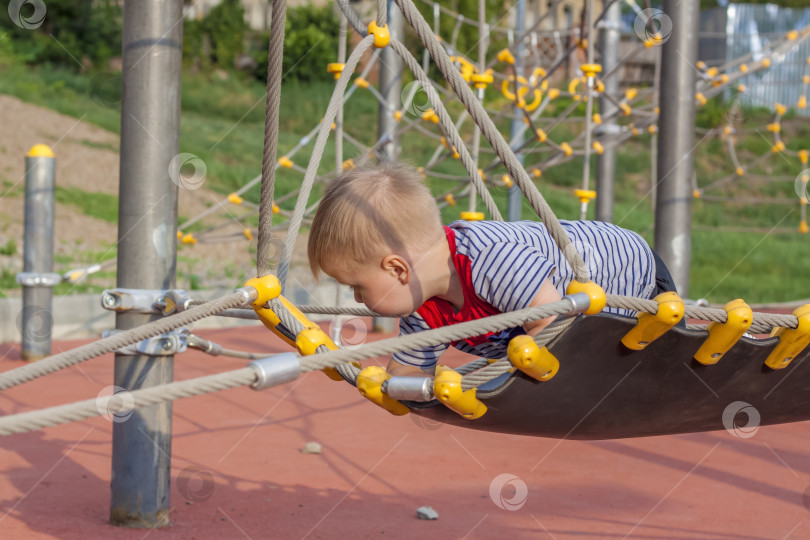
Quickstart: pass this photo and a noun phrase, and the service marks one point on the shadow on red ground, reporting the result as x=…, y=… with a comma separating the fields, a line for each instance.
x=238, y=472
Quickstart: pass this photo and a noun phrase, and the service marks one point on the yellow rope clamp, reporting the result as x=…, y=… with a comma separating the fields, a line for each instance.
x=430, y=116
x=506, y=56
x=597, y=147
x=398, y=116
x=188, y=238
x=285, y=162
x=361, y=82
x=447, y=389
x=802, y=103
x=723, y=336
x=597, y=119
x=803, y=156
x=481, y=80
x=590, y=70
x=482, y=175
x=235, y=198
x=778, y=147
x=472, y=216
x=507, y=180
x=369, y=383
x=740, y=171
x=523, y=90
x=541, y=135
x=700, y=98
x=381, y=34
x=566, y=148
x=276, y=209
x=780, y=109
x=450, y=199
x=774, y=127
x=348, y=164
x=743, y=68
x=537, y=173
x=307, y=342
x=594, y=292
x=803, y=228
x=792, y=341
x=651, y=327
x=466, y=68
x=336, y=68
x=536, y=362
x=248, y=234
x=553, y=93
x=537, y=75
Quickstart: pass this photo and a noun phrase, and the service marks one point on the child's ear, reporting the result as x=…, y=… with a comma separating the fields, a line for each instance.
x=397, y=267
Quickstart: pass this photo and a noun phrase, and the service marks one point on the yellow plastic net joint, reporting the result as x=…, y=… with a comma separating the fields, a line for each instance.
x=248, y=234
x=594, y=291
x=430, y=116
x=700, y=98
x=541, y=135
x=398, y=116
x=802, y=102
x=472, y=216
x=597, y=147
x=651, y=327
x=506, y=55
x=626, y=109
x=276, y=209
x=803, y=228
x=348, y=164
x=792, y=341
x=723, y=336
x=774, y=127
x=507, y=180
x=538, y=363
x=779, y=146
x=285, y=162
x=597, y=119
x=188, y=238
x=235, y=198
x=803, y=156
x=780, y=109
x=267, y=287
x=566, y=148
x=590, y=70
x=447, y=389
x=361, y=82
x=584, y=195
x=336, y=68
x=369, y=383
x=307, y=342
x=382, y=36
x=450, y=199
x=481, y=80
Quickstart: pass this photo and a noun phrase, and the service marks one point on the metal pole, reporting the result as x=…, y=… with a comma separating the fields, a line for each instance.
x=36, y=320
x=673, y=202
x=391, y=91
x=147, y=246
x=586, y=165
x=515, y=197
x=339, y=118
x=606, y=162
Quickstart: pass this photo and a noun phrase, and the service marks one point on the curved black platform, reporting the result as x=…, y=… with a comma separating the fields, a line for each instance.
x=606, y=391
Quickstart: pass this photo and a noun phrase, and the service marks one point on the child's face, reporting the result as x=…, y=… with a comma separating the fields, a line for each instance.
x=379, y=289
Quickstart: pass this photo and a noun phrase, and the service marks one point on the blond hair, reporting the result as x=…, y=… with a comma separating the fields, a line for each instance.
x=369, y=210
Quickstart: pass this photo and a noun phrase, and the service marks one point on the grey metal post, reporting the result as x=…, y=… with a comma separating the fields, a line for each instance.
x=606, y=162
x=673, y=203
x=36, y=319
x=391, y=90
x=147, y=248
x=515, y=197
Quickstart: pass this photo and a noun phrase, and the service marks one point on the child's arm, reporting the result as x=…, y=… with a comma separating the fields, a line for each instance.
x=397, y=369
x=548, y=293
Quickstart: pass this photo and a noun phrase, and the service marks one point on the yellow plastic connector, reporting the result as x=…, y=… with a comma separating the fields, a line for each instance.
x=537, y=173
x=507, y=180
x=566, y=148
x=792, y=341
x=803, y=228
x=806, y=79
x=651, y=327
x=597, y=119
x=382, y=36
x=696, y=193
x=626, y=109
x=740, y=171
x=506, y=55
x=766, y=62
x=728, y=130
x=553, y=93
x=268, y=287
x=598, y=148
x=743, y=68
x=652, y=129
x=179, y=235
x=780, y=109
x=630, y=94
x=348, y=164
x=722, y=336
x=584, y=195
x=711, y=72
x=775, y=127
x=398, y=116
x=235, y=198
x=248, y=234
x=188, y=238
x=779, y=146
x=482, y=174
x=472, y=216
x=481, y=80
x=590, y=70
x=285, y=162
x=276, y=209
x=307, y=342
x=594, y=291
x=536, y=362
x=701, y=65
x=741, y=88
x=450, y=199
x=803, y=155
x=430, y=116
x=541, y=135
x=361, y=82
x=802, y=102
x=447, y=389
x=369, y=383
x=335, y=68
x=700, y=98
x=792, y=35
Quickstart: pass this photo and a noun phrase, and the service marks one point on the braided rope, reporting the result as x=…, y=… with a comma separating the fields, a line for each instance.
x=275, y=54
x=59, y=361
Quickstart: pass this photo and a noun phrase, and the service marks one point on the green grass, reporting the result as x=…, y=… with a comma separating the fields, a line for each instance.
x=222, y=122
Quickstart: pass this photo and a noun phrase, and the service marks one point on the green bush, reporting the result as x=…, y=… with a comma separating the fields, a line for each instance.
x=218, y=39
x=310, y=43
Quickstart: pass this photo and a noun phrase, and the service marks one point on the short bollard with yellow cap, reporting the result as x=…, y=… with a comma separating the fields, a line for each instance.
x=594, y=292
x=536, y=362
x=792, y=341
x=722, y=336
x=369, y=383
x=447, y=389
x=650, y=327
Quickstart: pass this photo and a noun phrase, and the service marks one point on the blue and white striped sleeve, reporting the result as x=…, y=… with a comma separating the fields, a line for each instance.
x=423, y=357
x=508, y=276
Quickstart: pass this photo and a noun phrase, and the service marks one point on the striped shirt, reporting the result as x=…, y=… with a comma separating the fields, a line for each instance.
x=502, y=266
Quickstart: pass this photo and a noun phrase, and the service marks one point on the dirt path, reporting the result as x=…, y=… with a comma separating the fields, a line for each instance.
x=87, y=159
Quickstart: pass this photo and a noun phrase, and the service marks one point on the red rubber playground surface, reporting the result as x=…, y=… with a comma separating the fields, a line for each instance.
x=238, y=472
